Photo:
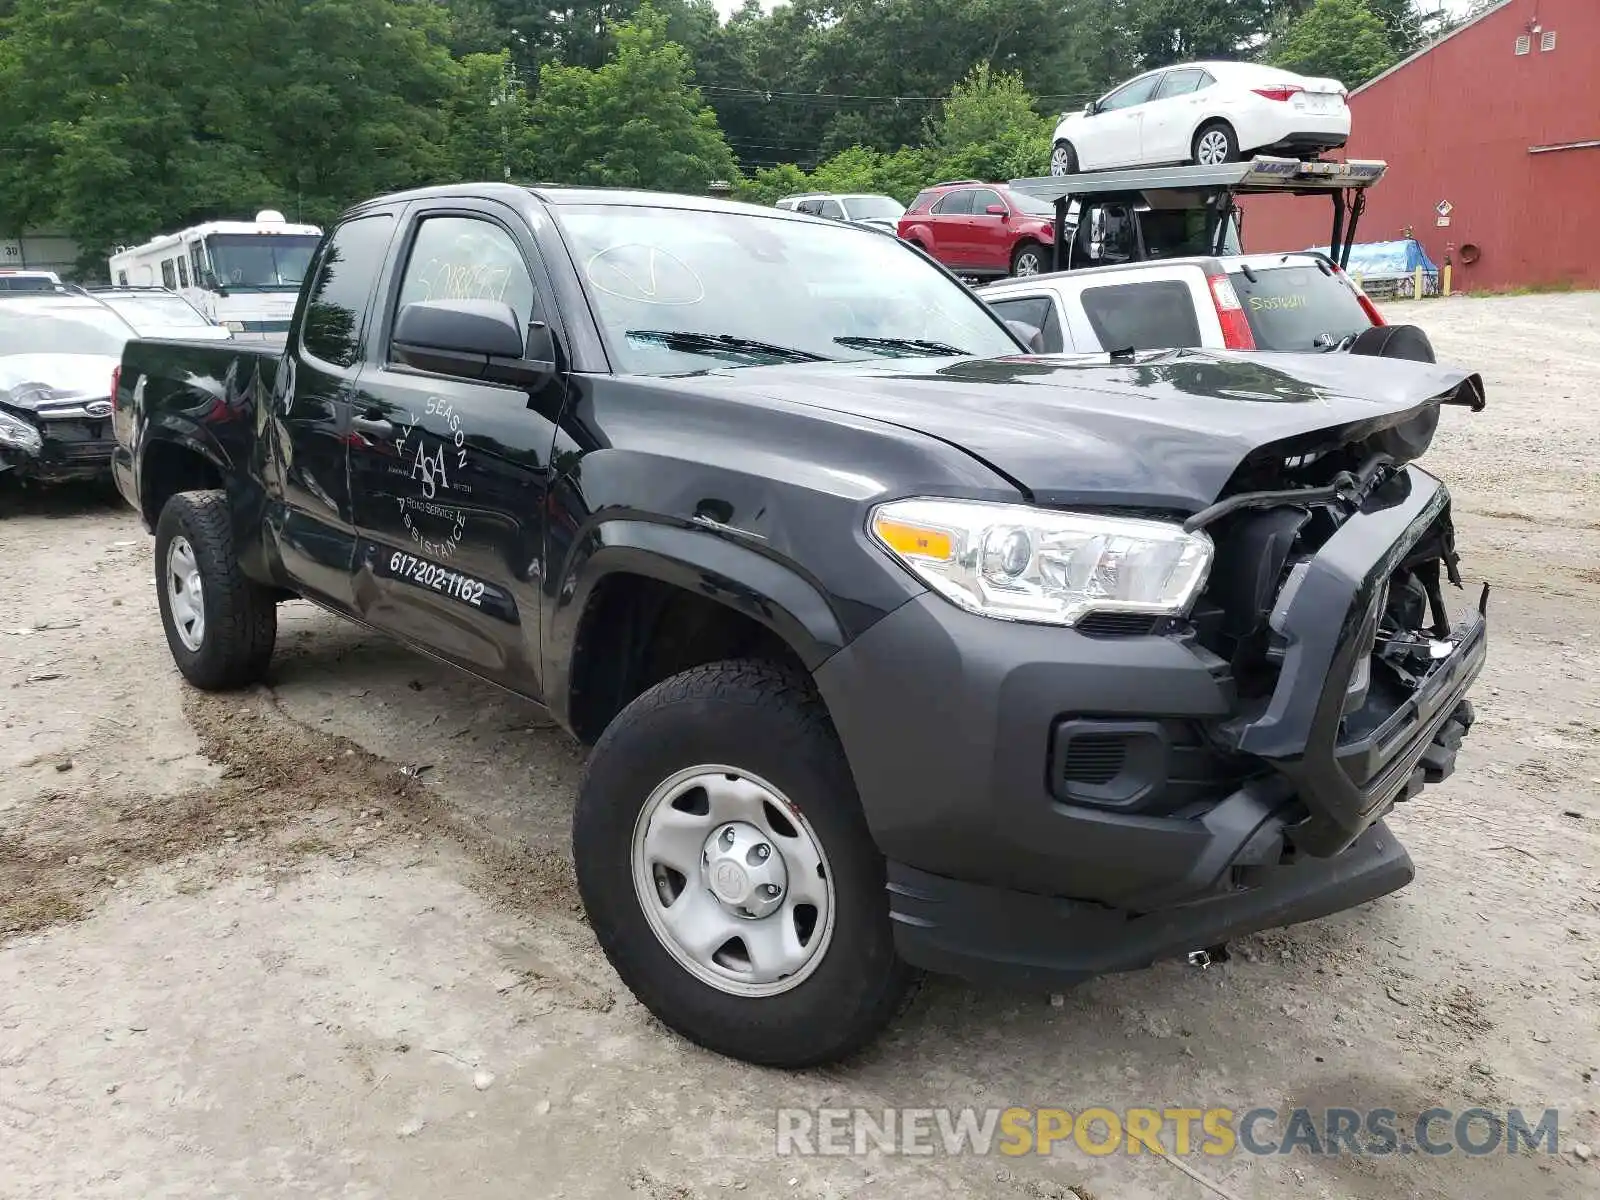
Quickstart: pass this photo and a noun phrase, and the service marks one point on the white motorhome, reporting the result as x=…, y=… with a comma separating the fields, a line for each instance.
x=244, y=275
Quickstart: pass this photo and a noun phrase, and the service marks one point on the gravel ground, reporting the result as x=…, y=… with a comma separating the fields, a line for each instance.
x=243, y=953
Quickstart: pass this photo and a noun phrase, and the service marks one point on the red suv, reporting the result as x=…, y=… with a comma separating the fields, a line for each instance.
x=982, y=229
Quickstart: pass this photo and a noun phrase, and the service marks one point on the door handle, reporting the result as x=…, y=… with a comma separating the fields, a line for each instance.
x=375, y=426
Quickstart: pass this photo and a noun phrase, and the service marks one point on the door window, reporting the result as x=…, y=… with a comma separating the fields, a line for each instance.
x=197, y=267
x=1129, y=94
x=183, y=272
x=1142, y=316
x=1037, y=313
x=337, y=301
x=1179, y=83
x=983, y=199
x=832, y=210
x=466, y=258
x=954, y=204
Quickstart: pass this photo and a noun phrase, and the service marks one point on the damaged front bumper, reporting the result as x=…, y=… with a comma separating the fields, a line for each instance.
x=54, y=450
x=1348, y=753
x=973, y=743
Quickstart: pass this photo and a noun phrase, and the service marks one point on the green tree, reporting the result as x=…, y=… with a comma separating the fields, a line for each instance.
x=1341, y=39
x=124, y=118
x=767, y=185
x=989, y=129
x=475, y=27
x=636, y=121
x=487, y=130
x=1157, y=33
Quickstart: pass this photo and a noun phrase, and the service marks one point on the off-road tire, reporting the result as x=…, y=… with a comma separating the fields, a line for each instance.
x=241, y=616
x=755, y=716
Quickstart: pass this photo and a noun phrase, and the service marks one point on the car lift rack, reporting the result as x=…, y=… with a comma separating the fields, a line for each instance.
x=1217, y=186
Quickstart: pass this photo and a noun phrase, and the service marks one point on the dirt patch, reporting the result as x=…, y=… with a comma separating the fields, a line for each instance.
x=70, y=847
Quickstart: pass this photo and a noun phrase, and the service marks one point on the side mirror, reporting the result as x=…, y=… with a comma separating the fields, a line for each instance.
x=1091, y=108
x=471, y=339
x=996, y=210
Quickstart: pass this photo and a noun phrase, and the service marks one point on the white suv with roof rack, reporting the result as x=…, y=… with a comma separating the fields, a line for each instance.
x=1275, y=302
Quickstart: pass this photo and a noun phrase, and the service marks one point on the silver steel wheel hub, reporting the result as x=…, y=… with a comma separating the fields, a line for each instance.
x=1027, y=265
x=185, y=594
x=733, y=881
x=744, y=872
x=1058, y=161
x=1213, y=148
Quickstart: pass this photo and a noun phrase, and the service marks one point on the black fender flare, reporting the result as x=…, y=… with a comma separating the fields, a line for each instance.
x=708, y=563
x=194, y=438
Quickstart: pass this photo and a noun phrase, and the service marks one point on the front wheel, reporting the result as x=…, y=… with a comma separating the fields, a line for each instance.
x=220, y=624
x=728, y=872
x=1031, y=259
x=1063, y=159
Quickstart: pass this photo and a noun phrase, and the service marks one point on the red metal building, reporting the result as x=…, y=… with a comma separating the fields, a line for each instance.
x=1492, y=136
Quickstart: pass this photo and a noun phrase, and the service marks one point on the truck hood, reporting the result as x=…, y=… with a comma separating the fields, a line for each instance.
x=29, y=380
x=1164, y=430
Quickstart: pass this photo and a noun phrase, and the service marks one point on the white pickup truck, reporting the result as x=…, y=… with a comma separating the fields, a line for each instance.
x=1285, y=302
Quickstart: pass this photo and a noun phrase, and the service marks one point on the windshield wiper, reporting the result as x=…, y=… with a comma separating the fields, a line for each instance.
x=904, y=346
x=723, y=345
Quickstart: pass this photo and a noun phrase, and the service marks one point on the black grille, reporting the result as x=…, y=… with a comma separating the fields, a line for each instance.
x=1118, y=624
x=1094, y=759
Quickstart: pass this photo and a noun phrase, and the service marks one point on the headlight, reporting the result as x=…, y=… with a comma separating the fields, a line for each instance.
x=1031, y=564
x=233, y=326
x=16, y=432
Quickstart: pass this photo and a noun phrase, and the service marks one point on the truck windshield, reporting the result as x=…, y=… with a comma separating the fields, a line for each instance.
x=733, y=282
x=261, y=260
x=1298, y=307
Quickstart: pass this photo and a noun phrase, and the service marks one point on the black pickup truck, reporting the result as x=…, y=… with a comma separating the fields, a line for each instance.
x=897, y=647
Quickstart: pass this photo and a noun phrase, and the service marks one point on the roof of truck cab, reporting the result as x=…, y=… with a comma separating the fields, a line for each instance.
x=558, y=195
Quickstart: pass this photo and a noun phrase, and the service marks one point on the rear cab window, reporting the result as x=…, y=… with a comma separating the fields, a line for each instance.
x=335, y=306
x=1159, y=315
x=1298, y=306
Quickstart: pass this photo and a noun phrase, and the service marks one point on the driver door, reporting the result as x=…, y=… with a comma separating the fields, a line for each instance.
x=451, y=473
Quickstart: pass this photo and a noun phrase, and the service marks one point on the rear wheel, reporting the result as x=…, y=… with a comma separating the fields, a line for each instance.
x=220, y=624
x=1063, y=159
x=1030, y=259
x=1215, y=144
x=728, y=871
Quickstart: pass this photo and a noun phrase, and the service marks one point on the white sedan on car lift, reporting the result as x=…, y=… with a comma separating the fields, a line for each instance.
x=1207, y=113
